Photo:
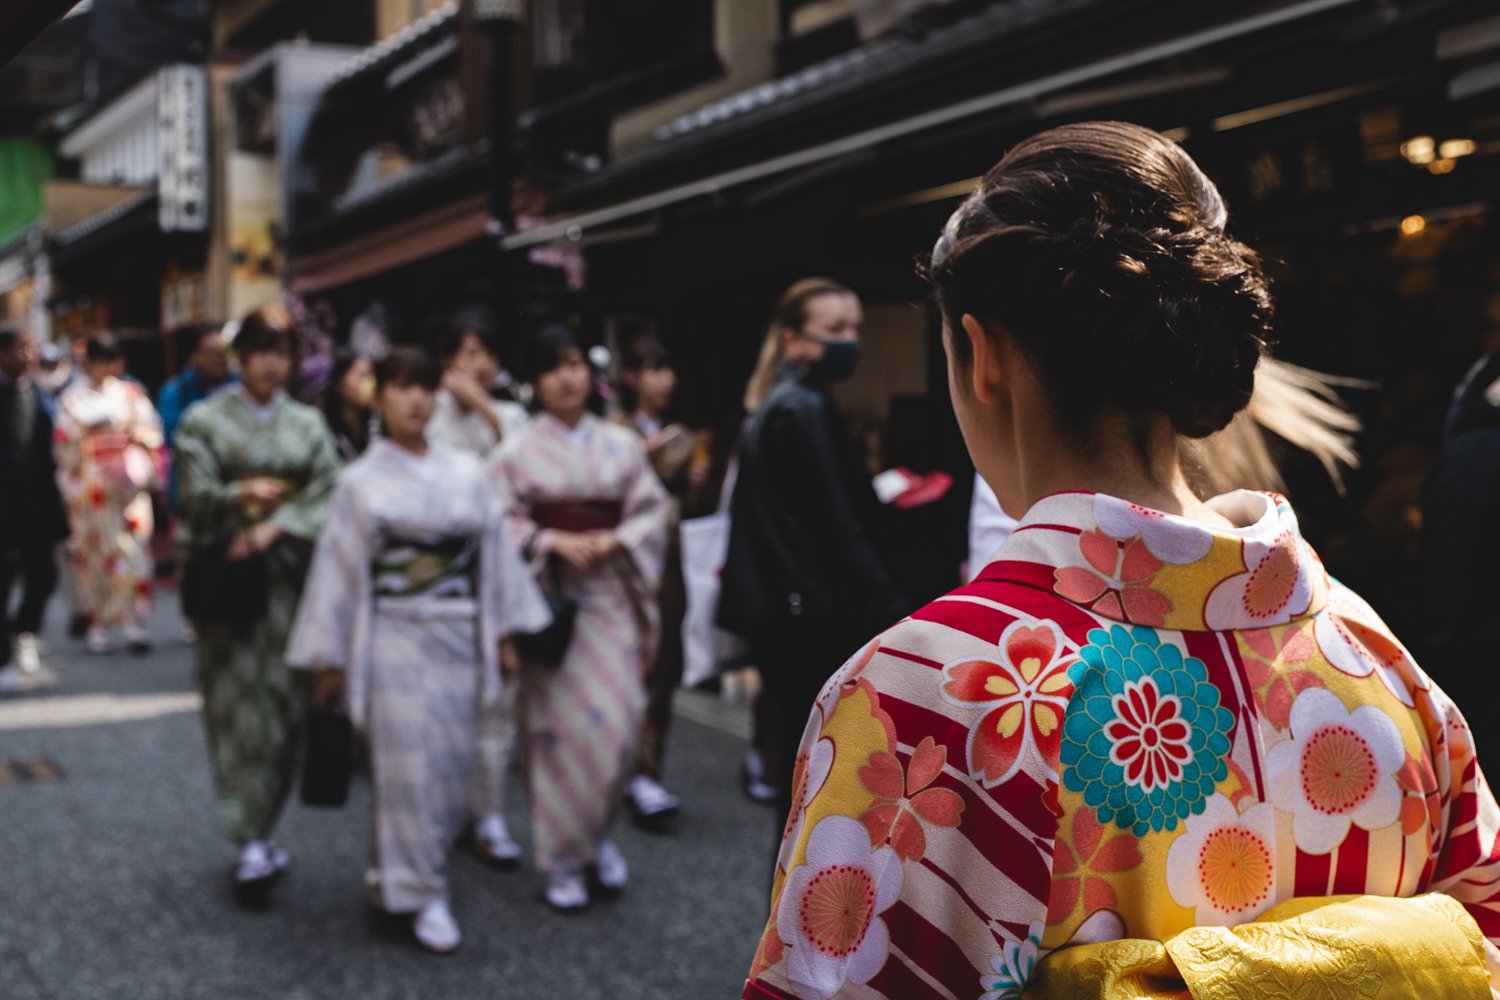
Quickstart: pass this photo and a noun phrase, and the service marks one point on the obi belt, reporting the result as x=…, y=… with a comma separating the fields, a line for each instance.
x=442, y=567
x=578, y=515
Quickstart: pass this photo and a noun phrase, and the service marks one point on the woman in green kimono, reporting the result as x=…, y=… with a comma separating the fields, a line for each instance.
x=257, y=474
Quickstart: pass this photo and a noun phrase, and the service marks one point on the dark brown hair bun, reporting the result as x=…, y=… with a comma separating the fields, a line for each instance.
x=1101, y=247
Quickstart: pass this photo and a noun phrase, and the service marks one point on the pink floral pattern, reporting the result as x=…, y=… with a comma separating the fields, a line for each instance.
x=904, y=801
x=1116, y=580
x=1025, y=692
x=1351, y=638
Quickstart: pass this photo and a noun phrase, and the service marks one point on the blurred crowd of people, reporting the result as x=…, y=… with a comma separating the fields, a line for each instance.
x=483, y=574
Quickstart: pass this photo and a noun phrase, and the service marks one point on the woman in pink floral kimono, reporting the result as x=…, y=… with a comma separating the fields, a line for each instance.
x=1151, y=717
x=109, y=437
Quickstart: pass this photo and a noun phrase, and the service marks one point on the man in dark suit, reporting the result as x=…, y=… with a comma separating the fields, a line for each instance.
x=32, y=516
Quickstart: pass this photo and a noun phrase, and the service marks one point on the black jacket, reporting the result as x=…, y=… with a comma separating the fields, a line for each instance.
x=799, y=543
x=30, y=502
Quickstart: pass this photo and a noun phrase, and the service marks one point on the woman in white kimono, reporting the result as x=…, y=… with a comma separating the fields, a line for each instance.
x=109, y=441
x=414, y=592
x=591, y=516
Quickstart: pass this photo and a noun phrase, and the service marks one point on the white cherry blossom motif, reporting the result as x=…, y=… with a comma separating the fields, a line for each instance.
x=1339, y=768
x=1350, y=638
x=809, y=776
x=1224, y=865
x=829, y=914
x=1275, y=588
x=1173, y=540
x=1013, y=967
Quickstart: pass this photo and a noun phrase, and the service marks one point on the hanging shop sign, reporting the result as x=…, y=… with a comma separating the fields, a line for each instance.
x=182, y=121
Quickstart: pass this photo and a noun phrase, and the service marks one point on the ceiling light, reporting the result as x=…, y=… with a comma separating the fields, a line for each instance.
x=1419, y=150
x=1454, y=148
x=1443, y=166
x=1412, y=225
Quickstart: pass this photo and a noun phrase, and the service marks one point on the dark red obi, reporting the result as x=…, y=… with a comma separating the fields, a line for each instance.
x=579, y=515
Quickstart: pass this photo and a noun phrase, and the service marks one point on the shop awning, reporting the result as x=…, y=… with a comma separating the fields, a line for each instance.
x=127, y=218
x=756, y=113
x=414, y=239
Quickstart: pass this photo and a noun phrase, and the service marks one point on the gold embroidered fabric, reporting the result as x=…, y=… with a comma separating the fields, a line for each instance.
x=1330, y=948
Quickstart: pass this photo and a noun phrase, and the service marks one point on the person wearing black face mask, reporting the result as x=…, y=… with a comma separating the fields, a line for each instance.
x=802, y=580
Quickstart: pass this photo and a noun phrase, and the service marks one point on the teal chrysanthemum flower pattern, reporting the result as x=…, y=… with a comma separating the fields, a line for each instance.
x=1146, y=740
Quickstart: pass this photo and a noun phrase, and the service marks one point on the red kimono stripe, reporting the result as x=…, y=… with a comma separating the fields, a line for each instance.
x=1206, y=646
x=1487, y=919
x=761, y=991
x=896, y=980
x=1351, y=875
x=922, y=942
x=1312, y=873
x=1021, y=796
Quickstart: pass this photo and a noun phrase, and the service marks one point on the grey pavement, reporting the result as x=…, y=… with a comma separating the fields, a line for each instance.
x=114, y=880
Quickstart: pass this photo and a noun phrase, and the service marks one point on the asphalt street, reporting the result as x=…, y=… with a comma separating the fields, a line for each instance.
x=114, y=874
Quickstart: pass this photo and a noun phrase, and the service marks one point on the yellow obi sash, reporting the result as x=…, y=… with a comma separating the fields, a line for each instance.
x=1325, y=948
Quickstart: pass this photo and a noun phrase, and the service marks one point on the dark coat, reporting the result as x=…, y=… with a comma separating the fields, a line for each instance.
x=30, y=501
x=1461, y=548
x=799, y=542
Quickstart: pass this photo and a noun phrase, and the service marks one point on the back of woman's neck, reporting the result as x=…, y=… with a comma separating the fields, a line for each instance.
x=1137, y=464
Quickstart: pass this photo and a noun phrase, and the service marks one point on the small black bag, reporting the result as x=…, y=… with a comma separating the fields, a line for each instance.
x=548, y=647
x=232, y=592
x=328, y=760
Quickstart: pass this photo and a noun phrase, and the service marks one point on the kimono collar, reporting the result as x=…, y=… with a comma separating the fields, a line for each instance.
x=263, y=413
x=578, y=434
x=383, y=449
x=1131, y=564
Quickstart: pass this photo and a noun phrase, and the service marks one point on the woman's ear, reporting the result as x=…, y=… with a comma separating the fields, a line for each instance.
x=788, y=341
x=987, y=371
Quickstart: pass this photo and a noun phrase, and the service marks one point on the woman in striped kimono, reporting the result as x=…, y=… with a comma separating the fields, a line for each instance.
x=414, y=592
x=591, y=516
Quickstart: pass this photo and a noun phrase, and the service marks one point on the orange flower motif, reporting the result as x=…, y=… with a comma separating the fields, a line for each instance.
x=1117, y=580
x=1079, y=862
x=1420, y=808
x=903, y=801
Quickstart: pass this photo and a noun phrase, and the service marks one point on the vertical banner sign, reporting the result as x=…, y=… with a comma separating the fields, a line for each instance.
x=182, y=123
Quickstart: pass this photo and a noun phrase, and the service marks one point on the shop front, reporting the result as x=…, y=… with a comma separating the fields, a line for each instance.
x=1353, y=145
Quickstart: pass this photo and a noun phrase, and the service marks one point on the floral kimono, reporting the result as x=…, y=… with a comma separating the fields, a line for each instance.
x=580, y=720
x=108, y=442
x=1129, y=725
x=414, y=583
x=252, y=704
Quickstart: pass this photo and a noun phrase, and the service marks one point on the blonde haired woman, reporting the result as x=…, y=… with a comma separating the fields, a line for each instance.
x=802, y=580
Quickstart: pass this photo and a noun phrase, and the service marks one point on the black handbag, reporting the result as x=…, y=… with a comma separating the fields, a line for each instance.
x=548, y=647
x=328, y=758
x=232, y=592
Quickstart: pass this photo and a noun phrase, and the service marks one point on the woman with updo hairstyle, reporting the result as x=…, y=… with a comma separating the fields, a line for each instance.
x=1152, y=717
